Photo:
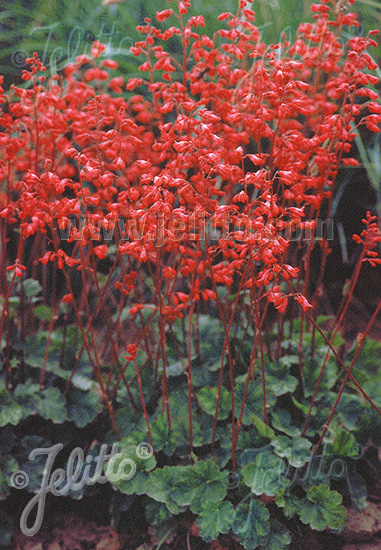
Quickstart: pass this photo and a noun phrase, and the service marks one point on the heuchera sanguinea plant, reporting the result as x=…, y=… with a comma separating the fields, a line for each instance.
x=186, y=194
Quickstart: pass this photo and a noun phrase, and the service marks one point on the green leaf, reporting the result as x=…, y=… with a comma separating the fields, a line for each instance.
x=373, y=389
x=25, y=390
x=43, y=312
x=322, y=509
x=51, y=405
x=125, y=419
x=350, y=409
x=265, y=476
x=216, y=366
x=163, y=438
x=369, y=428
x=367, y=361
x=178, y=405
x=8, y=466
x=280, y=386
x=175, y=369
x=62, y=352
x=82, y=407
x=321, y=346
x=296, y=450
x=249, y=442
x=344, y=445
x=31, y=287
x=278, y=538
x=212, y=337
x=16, y=406
x=26, y=395
x=131, y=469
x=263, y=429
x=289, y=360
x=200, y=483
x=311, y=370
x=10, y=413
x=278, y=379
x=202, y=376
x=289, y=502
x=283, y=421
x=319, y=415
x=251, y=523
x=82, y=382
x=156, y=512
x=207, y=398
x=214, y=519
x=161, y=483
x=254, y=399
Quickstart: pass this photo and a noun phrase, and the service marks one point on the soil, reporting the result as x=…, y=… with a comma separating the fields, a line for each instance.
x=66, y=532
x=72, y=533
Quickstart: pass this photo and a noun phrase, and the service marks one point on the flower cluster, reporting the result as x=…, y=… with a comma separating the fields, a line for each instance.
x=231, y=132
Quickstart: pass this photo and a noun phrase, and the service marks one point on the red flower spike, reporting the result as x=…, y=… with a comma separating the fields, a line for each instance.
x=163, y=15
x=176, y=176
x=303, y=302
x=97, y=49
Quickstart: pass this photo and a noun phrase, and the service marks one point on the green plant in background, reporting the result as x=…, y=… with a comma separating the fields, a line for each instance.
x=369, y=12
x=278, y=17
x=277, y=463
x=370, y=155
x=31, y=417
x=59, y=30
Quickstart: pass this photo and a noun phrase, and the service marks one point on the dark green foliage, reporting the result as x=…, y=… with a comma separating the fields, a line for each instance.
x=273, y=460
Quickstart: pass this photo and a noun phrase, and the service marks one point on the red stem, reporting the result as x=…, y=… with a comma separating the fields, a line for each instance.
x=361, y=341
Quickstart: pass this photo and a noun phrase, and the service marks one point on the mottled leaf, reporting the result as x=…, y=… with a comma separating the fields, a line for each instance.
x=265, y=476
x=322, y=509
x=214, y=519
x=251, y=523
